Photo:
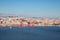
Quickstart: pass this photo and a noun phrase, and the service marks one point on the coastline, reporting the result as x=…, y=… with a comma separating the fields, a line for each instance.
x=22, y=21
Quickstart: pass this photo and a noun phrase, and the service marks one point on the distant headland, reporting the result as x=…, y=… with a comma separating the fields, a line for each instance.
x=28, y=21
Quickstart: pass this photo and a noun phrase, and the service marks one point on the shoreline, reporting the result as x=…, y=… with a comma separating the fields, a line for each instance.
x=27, y=26
x=22, y=21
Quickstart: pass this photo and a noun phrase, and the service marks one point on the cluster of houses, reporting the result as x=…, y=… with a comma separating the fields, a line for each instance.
x=23, y=21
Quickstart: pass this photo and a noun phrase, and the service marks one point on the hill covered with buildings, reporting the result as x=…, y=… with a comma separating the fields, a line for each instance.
x=23, y=21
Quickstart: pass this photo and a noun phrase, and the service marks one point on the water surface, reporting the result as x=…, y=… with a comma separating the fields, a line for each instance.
x=25, y=33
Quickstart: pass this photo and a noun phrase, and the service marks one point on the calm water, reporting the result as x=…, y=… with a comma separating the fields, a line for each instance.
x=25, y=33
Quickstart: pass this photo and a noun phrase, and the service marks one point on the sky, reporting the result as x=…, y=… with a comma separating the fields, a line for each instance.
x=30, y=8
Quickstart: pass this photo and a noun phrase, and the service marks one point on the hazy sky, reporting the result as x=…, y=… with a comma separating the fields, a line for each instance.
x=30, y=8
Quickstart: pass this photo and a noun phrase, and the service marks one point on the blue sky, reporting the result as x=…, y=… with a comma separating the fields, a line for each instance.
x=30, y=8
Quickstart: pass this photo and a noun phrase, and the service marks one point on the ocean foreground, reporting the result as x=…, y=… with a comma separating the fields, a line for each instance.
x=25, y=33
x=23, y=21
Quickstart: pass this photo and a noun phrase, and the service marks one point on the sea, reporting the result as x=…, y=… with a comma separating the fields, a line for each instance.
x=30, y=33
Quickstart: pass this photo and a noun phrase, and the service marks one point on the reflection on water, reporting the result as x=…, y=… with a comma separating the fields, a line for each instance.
x=25, y=33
